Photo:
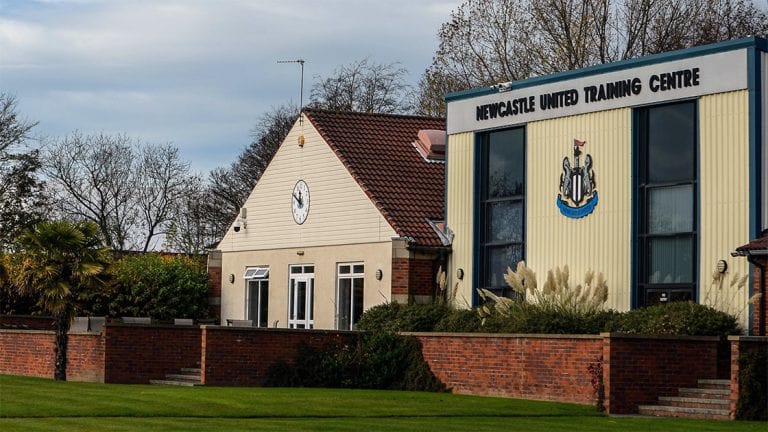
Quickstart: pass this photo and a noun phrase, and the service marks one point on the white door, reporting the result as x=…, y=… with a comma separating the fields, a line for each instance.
x=301, y=297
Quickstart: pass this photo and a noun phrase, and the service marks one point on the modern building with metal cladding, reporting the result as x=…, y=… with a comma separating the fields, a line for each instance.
x=651, y=171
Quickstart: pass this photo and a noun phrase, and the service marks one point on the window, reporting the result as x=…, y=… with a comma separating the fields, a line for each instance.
x=349, y=304
x=502, y=206
x=666, y=203
x=257, y=295
x=301, y=297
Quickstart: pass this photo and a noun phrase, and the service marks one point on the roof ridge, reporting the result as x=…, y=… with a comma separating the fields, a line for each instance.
x=369, y=114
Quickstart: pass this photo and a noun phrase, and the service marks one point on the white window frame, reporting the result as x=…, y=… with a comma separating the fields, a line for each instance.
x=352, y=275
x=259, y=275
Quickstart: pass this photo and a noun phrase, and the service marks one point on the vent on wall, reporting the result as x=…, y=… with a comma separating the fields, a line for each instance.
x=431, y=145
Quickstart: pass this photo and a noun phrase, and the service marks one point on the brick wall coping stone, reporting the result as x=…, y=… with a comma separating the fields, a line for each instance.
x=10, y=330
x=151, y=325
x=503, y=335
x=276, y=330
x=748, y=338
x=659, y=337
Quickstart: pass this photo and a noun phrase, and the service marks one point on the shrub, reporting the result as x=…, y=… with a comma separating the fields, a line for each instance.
x=678, y=318
x=753, y=379
x=459, y=321
x=161, y=287
x=395, y=317
x=382, y=361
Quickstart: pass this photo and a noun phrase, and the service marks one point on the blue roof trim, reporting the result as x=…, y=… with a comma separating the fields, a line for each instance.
x=732, y=45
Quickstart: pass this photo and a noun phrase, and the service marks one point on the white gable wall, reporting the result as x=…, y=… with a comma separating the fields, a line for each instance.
x=340, y=212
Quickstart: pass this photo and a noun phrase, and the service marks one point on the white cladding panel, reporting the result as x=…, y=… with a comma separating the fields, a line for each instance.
x=717, y=73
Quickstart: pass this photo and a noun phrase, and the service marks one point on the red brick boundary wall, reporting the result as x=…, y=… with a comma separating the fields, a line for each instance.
x=639, y=369
x=740, y=345
x=544, y=367
x=136, y=353
x=32, y=353
x=236, y=356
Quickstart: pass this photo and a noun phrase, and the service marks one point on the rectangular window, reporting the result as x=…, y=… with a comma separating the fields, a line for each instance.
x=301, y=297
x=666, y=203
x=257, y=295
x=502, y=206
x=349, y=295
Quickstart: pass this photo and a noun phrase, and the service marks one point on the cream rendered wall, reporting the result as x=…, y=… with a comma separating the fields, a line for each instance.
x=373, y=255
x=724, y=194
x=340, y=212
x=343, y=226
x=602, y=240
x=459, y=199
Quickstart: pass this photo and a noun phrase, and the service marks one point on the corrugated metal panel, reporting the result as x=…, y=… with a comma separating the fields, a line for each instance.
x=460, y=195
x=600, y=241
x=724, y=192
x=340, y=212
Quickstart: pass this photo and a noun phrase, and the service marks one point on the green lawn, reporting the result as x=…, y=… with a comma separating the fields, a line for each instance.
x=32, y=404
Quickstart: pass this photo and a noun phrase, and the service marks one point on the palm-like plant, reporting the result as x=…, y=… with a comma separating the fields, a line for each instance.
x=60, y=262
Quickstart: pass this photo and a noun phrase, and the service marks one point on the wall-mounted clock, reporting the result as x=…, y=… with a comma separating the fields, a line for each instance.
x=300, y=202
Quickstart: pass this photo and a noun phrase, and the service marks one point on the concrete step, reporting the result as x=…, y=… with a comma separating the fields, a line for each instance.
x=174, y=383
x=691, y=402
x=180, y=377
x=716, y=384
x=191, y=370
x=670, y=411
x=704, y=393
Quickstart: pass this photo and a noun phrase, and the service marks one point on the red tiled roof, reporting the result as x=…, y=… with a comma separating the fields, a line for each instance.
x=758, y=244
x=378, y=151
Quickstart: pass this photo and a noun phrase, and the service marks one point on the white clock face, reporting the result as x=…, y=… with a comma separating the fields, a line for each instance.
x=300, y=202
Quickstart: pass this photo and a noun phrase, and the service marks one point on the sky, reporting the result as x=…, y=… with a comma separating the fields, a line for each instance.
x=195, y=73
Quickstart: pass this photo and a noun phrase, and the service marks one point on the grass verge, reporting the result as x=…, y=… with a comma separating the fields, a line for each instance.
x=33, y=404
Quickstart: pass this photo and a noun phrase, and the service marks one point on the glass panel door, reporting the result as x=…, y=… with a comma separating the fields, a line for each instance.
x=301, y=297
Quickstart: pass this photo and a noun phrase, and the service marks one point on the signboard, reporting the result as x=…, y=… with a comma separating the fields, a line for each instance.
x=667, y=81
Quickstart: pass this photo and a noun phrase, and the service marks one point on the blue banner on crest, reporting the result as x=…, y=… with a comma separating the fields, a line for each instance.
x=577, y=212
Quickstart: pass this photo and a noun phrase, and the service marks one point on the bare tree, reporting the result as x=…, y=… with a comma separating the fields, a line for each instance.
x=161, y=180
x=491, y=41
x=363, y=86
x=190, y=231
x=229, y=187
x=21, y=192
x=130, y=191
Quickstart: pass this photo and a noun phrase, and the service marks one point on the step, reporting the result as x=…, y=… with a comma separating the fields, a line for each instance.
x=704, y=393
x=715, y=384
x=191, y=370
x=692, y=402
x=180, y=377
x=174, y=383
x=669, y=411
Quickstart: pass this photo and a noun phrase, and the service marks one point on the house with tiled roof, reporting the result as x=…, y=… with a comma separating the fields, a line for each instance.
x=345, y=217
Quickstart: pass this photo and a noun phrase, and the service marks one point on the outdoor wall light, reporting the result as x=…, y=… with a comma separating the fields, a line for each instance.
x=231, y=278
x=379, y=274
x=300, y=253
x=460, y=273
x=722, y=266
x=301, y=140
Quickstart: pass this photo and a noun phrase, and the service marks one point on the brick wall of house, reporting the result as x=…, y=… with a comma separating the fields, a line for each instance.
x=639, y=369
x=214, y=283
x=413, y=277
x=740, y=345
x=400, y=276
x=544, y=367
x=27, y=352
x=761, y=308
x=28, y=322
x=136, y=353
x=236, y=356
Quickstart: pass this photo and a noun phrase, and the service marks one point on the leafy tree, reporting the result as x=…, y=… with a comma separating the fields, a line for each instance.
x=59, y=262
x=363, y=86
x=21, y=193
x=491, y=41
x=159, y=286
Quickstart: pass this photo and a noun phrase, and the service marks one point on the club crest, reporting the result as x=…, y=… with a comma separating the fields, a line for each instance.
x=577, y=197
